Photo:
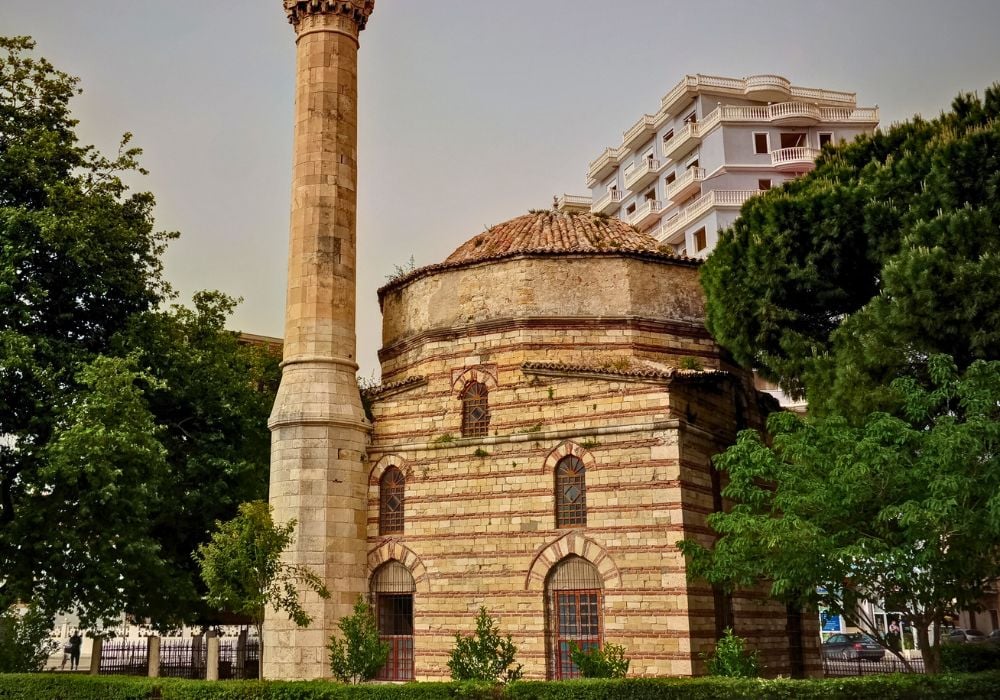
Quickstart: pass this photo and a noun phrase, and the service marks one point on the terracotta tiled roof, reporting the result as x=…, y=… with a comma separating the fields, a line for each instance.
x=549, y=233
x=553, y=231
x=637, y=373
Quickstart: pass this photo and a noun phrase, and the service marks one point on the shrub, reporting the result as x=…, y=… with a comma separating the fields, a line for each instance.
x=595, y=662
x=25, y=644
x=484, y=656
x=970, y=658
x=731, y=659
x=361, y=654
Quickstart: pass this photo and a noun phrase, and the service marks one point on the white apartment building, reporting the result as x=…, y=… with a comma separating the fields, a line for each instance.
x=682, y=173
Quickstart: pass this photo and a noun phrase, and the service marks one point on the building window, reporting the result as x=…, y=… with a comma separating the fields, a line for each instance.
x=764, y=184
x=571, y=492
x=573, y=613
x=650, y=195
x=475, y=410
x=669, y=135
x=630, y=209
x=825, y=138
x=760, y=144
x=670, y=178
x=391, y=495
x=691, y=118
x=700, y=241
x=793, y=140
x=392, y=597
x=693, y=164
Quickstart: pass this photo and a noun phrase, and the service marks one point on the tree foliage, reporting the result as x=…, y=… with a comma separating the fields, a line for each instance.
x=486, y=655
x=901, y=510
x=361, y=654
x=25, y=644
x=886, y=254
x=243, y=571
x=126, y=428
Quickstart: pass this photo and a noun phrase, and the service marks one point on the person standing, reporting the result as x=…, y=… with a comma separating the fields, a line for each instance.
x=75, y=642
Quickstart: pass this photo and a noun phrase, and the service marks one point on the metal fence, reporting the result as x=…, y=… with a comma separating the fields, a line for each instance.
x=125, y=657
x=239, y=660
x=838, y=668
x=182, y=658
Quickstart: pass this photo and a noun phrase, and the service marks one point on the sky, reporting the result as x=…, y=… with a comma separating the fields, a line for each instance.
x=471, y=112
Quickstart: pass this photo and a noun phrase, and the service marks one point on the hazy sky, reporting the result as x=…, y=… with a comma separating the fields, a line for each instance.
x=472, y=112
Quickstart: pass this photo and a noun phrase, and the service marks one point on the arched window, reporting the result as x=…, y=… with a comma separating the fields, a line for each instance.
x=475, y=410
x=572, y=613
x=392, y=596
x=571, y=492
x=391, y=490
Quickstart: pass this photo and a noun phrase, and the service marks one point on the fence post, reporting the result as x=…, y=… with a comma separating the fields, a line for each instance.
x=212, y=670
x=95, y=655
x=153, y=656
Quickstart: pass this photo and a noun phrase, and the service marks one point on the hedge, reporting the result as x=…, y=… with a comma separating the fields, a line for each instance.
x=970, y=658
x=59, y=686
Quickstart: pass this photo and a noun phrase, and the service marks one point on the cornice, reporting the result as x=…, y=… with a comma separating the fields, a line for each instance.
x=357, y=10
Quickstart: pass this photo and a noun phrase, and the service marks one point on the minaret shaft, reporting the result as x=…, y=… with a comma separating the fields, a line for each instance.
x=319, y=432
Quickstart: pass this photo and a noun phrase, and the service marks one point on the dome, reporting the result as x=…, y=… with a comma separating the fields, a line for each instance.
x=554, y=232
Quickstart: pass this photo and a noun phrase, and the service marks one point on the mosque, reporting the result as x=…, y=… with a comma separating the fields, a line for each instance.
x=541, y=439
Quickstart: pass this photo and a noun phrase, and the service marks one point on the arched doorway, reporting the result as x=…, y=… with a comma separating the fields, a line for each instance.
x=392, y=590
x=573, y=603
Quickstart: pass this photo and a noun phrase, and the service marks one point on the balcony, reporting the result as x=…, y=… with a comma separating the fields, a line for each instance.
x=767, y=88
x=642, y=174
x=716, y=199
x=797, y=159
x=686, y=185
x=607, y=204
x=573, y=203
x=646, y=213
x=690, y=136
x=642, y=130
x=603, y=165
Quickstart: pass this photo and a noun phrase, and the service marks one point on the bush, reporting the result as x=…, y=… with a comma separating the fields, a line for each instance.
x=731, y=659
x=595, y=662
x=484, y=656
x=970, y=658
x=25, y=644
x=361, y=654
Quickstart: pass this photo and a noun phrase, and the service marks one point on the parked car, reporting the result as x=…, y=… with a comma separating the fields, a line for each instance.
x=852, y=646
x=961, y=635
x=993, y=637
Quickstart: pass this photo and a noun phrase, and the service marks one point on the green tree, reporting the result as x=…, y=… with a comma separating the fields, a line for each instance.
x=361, y=654
x=900, y=510
x=486, y=655
x=126, y=428
x=243, y=571
x=884, y=255
x=25, y=644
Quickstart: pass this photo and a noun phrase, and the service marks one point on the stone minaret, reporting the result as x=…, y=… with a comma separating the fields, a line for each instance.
x=318, y=426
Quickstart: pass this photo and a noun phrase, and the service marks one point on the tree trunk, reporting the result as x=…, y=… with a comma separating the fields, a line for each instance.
x=931, y=654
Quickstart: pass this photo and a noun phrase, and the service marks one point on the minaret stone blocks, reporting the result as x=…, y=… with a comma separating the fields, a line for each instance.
x=318, y=428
